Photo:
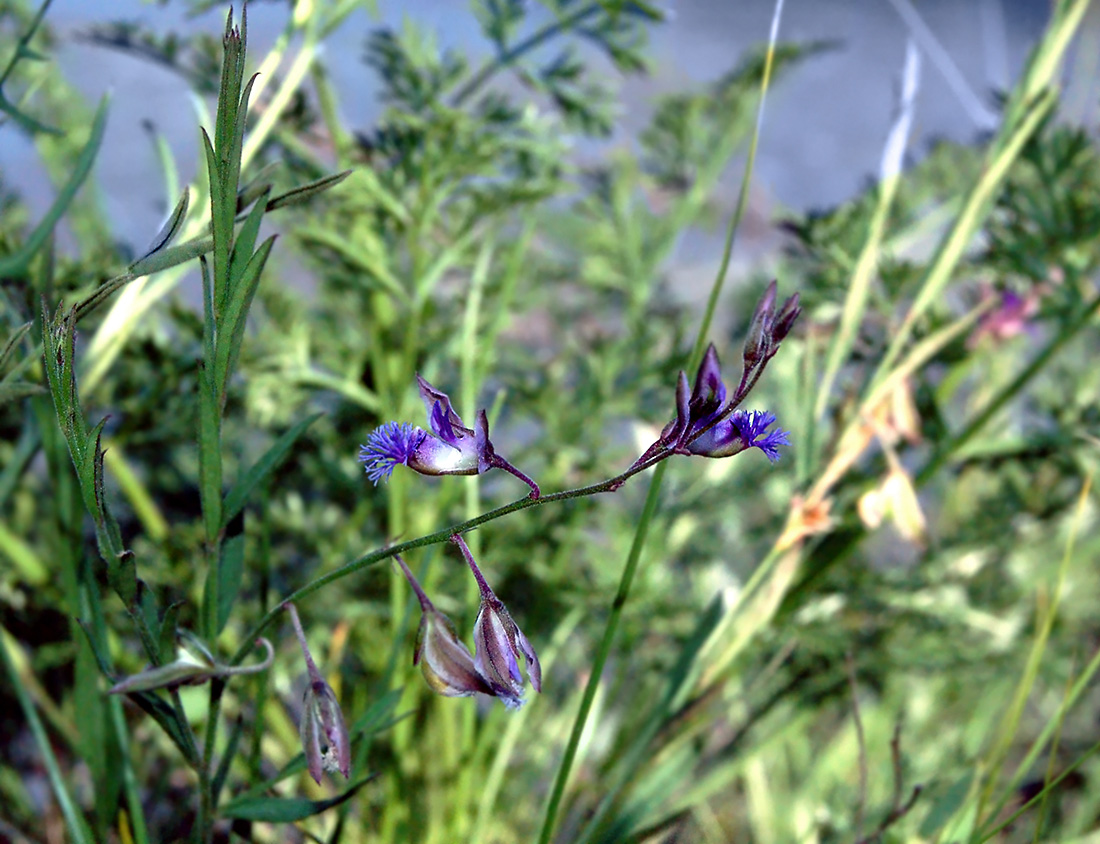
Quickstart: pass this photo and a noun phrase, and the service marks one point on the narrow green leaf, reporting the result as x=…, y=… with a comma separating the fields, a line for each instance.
x=285, y=809
x=147, y=603
x=74, y=820
x=16, y=263
x=58, y=359
x=231, y=330
x=86, y=470
x=244, y=245
x=306, y=192
x=239, y=123
x=13, y=342
x=121, y=566
x=230, y=570
x=238, y=495
x=166, y=634
x=28, y=123
x=165, y=716
x=221, y=223
x=171, y=226
x=152, y=705
x=226, y=761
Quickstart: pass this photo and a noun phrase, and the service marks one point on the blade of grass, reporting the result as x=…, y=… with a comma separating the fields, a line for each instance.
x=79, y=833
x=998, y=754
x=649, y=509
x=1052, y=759
x=855, y=304
x=16, y=263
x=1032, y=102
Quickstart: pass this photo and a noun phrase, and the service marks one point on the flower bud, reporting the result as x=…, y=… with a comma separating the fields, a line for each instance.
x=325, y=739
x=445, y=661
x=784, y=321
x=758, y=339
x=499, y=643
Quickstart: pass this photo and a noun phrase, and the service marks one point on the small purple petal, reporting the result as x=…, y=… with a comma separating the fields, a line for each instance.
x=387, y=446
x=440, y=423
x=441, y=416
x=481, y=441
x=709, y=392
x=753, y=424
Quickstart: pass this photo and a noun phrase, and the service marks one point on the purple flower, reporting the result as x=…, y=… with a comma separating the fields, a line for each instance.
x=444, y=660
x=448, y=449
x=743, y=429
x=499, y=643
x=706, y=423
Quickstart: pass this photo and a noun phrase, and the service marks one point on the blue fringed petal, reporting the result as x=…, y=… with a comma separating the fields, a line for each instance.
x=387, y=446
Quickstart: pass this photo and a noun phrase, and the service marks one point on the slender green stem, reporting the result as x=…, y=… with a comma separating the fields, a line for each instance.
x=602, y=653
x=130, y=785
x=629, y=570
x=194, y=758
x=373, y=557
x=207, y=799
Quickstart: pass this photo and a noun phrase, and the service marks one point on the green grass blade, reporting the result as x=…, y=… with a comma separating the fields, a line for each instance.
x=235, y=318
x=13, y=343
x=77, y=827
x=855, y=304
x=244, y=245
x=16, y=263
x=238, y=496
x=171, y=226
x=286, y=809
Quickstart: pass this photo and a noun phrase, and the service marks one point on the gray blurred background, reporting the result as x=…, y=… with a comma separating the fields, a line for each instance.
x=823, y=132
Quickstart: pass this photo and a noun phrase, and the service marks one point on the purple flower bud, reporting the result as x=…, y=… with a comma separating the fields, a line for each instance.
x=448, y=449
x=499, y=643
x=444, y=660
x=758, y=340
x=784, y=321
x=325, y=739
